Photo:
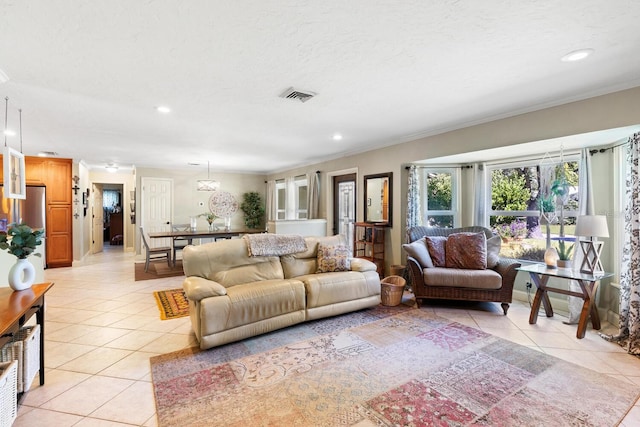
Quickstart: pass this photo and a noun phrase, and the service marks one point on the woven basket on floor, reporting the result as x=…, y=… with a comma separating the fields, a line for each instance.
x=8, y=392
x=24, y=347
x=392, y=290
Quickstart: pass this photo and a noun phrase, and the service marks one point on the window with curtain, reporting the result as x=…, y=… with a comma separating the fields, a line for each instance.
x=110, y=199
x=440, y=196
x=520, y=191
x=291, y=197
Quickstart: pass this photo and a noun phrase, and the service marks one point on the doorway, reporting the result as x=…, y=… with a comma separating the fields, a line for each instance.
x=344, y=206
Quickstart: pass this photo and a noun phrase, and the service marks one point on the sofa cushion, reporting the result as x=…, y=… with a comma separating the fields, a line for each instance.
x=462, y=278
x=332, y=258
x=252, y=302
x=493, y=251
x=436, y=246
x=306, y=262
x=268, y=270
x=323, y=289
x=466, y=250
x=419, y=251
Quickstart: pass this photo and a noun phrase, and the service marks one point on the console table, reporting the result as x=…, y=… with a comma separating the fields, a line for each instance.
x=540, y=275
x=16, y=308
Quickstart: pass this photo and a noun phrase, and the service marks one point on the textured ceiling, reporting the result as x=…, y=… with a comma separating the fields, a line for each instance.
x=88, y=75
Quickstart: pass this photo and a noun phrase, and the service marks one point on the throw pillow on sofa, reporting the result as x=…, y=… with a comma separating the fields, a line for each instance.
x=493, y=251
x=436, y=246
x=466, y=251
x=418, y=250
x=333, y=258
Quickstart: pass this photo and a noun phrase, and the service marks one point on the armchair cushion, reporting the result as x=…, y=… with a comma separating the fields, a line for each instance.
x=493, y=251
x=436, y=246
x=466, y=251
x=419, y=251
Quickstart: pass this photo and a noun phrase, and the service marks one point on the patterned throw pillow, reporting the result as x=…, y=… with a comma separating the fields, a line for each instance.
x=466, y=250
x=333, y=258
x=436, y=246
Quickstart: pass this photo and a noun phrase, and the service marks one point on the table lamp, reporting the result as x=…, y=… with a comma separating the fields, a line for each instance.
x=591, y=226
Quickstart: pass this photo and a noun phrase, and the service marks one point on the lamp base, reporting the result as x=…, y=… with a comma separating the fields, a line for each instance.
x=591, y=251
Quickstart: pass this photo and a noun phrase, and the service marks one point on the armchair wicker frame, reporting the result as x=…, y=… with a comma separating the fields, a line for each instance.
x=506, y=268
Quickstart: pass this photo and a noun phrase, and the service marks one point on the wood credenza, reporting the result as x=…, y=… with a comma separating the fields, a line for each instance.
x=17, y=307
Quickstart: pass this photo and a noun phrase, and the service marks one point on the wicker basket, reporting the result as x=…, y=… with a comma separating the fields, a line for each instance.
x=392, y=290
x=8, y=392
x=24, y=347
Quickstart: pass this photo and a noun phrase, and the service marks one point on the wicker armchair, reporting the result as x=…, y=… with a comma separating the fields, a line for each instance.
x=506, y=268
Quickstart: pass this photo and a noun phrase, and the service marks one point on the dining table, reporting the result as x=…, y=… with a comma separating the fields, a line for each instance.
x=202, y=234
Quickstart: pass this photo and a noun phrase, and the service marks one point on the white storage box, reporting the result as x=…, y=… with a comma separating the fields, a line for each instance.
x=24, y=347
x=8, y=393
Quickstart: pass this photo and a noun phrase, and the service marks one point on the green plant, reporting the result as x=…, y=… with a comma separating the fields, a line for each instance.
x=209, y=216
x=20, y=240
x=253, y=209
x=564, y=250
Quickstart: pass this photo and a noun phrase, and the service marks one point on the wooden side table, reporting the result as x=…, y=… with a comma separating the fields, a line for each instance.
x=16, y=308
x=540, y=275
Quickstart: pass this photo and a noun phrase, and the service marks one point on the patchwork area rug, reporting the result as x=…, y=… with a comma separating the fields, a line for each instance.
x=157, y=270
x=172, y=303
x=383, y=366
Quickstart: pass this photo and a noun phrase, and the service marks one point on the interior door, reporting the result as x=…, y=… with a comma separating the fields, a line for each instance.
x=97, y=219
x=344, y=206
x=157, y=202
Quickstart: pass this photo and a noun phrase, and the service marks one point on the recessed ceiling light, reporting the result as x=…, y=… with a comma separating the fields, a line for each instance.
x=111, y=168
x=337, y=137
x=9, y=132
x=577, y=55
x=163, y=109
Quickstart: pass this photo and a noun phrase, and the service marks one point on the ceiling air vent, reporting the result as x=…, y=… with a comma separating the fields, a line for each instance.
x=292, y=93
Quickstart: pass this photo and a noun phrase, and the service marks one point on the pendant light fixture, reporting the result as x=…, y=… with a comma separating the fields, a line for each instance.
x=208, y=184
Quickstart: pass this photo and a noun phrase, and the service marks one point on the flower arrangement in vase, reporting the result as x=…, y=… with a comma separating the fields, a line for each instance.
x=210, y=216
x=21, y=241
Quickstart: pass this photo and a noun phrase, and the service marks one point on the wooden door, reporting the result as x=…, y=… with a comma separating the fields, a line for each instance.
x=156, y=208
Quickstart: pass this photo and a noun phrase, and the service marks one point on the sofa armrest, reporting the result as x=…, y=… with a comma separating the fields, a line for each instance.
x=359, y=264
x=197, y=288
x=507, y=269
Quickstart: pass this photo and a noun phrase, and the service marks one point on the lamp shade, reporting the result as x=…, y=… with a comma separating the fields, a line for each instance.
x=592, y=226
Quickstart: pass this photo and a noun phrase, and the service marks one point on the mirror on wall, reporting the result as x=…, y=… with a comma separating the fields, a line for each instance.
x=377, y=198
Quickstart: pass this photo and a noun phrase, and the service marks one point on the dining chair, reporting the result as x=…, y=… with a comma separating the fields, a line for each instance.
x=154, y=253
x=179, y=243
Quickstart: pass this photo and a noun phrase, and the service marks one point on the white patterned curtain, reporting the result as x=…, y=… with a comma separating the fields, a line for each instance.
x=413, y=199
x=629, y=326
x=313, y=205
x=586, y=207
x=480, y=191
x=271, y=200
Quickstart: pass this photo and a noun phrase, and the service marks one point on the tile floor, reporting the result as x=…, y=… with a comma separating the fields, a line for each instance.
x=102, y=327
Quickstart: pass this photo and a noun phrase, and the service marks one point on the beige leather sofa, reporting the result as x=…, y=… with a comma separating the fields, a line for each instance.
x=233, y=296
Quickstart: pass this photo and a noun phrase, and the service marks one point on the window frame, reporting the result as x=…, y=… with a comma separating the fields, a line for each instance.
x=456, y=175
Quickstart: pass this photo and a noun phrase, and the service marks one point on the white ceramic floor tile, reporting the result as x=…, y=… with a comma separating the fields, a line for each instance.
x=43, y=418
x=95, y=360
x=133, y=406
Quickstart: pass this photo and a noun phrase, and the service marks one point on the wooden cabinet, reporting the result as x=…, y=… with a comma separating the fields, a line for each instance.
x=55, y=175
x=369, y=244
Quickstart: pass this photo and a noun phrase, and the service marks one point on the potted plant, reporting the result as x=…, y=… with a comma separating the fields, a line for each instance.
x=564, y=254
x=20, y=240
x=253, y=209
x=210, y=216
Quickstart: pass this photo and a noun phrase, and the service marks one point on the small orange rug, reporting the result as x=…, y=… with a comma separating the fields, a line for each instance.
x=172, y=303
